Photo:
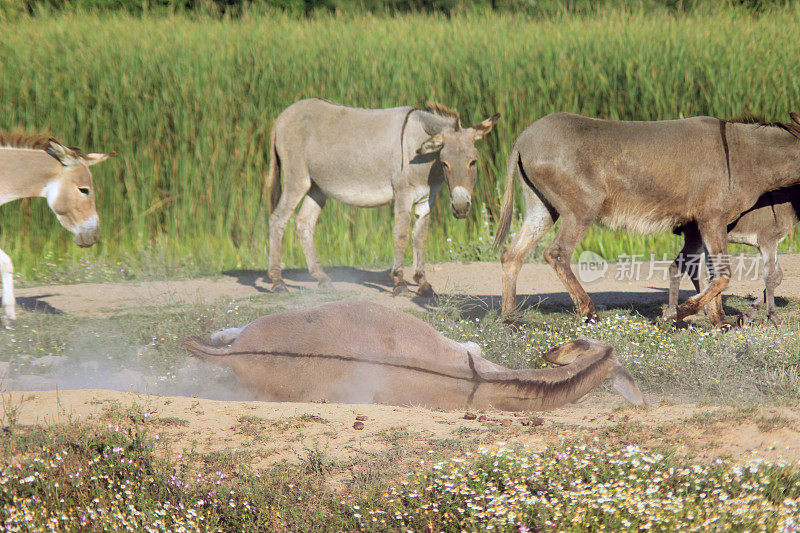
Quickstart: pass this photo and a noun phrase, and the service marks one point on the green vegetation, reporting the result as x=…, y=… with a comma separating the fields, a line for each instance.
x=188, y=102
x=238, y=8
x=76, y=477
x=590, y=487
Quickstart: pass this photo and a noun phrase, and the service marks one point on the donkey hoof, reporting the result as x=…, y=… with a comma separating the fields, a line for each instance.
x=670, y=313
x=775, y=319
x=280, y=287
x=425, y=290
x=401, y=290
x=325, y=285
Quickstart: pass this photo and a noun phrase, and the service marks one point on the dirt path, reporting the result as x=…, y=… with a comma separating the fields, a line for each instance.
x=538, y=282
x=276, y=432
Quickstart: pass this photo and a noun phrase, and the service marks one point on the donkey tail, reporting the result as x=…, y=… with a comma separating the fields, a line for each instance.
x=274, y=176
x=512, y=170
x=200, y=349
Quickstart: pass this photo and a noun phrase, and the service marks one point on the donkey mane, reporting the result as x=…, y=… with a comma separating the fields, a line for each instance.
x=557, y=387
x=443, y=111
x=20, y=139
x=756, y=120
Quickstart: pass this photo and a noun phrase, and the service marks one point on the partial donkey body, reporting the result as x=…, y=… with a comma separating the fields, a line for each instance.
x=359, y=352
x=640, y=176
x=37, y=165
x=368, y=158
x=764, y=226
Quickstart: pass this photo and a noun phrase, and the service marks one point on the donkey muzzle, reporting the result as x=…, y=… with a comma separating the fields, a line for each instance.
x=87, y=232
x=460, y=202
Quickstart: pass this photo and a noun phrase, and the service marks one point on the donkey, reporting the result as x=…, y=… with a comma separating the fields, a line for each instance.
x=360, y=352
x=764, y=227
x=368, y=158
x=640, y=176
x=37, y=165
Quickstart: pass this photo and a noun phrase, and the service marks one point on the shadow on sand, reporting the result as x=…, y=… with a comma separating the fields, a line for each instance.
x=649, y=304
x=34, y=304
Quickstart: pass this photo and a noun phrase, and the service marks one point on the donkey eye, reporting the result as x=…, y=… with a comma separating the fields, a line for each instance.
x=84, y=190
x=472, y=163
x=446, y=164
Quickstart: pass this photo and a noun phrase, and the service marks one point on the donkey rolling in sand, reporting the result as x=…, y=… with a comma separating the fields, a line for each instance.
x=368, y=158
x=359, y=352
x=644, y=177
x=764, y=226
x=40, y=166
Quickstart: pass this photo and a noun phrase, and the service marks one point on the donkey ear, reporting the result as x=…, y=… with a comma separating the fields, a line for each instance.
x=795, y=117
x=65, y=156
x=432, y=144
x=568, y=353
x=626, y=386
x=485, y=127
x=93, y=159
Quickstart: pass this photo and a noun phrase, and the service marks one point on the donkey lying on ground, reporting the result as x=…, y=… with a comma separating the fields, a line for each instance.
x=640, y=176
x=764, y=226
x=37, y=165
x=359, y=352
x=368, y=158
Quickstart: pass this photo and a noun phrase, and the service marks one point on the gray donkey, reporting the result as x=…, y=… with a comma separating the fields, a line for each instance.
x=764, y=227
x=644, y=177
x=368, y=158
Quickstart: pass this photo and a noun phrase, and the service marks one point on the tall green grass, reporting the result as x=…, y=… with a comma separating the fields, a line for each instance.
x=188, y=104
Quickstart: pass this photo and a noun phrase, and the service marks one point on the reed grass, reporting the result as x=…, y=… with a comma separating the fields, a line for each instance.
x=188, y=102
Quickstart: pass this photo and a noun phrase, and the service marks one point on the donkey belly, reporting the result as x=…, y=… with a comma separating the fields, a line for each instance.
x=427, y=390
x=361, y=195
x=356, y=173
x=309, y=378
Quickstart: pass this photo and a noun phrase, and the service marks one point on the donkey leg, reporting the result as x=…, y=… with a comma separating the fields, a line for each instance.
x=713, y=309
x=419, y=234
x=7, y=275
x=754, y=308
x=716, y=242
x=402, y=220
x=685, y=262
x=558, y=255
x=538, y=221
x=306, y=221
x=773, y=275
x=294, y=191
x=758, y=303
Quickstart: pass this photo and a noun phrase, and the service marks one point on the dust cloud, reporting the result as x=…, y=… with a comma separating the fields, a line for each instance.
x=90, y=363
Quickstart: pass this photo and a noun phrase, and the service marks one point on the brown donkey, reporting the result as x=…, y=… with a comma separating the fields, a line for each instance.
x=36, y=165
x=644, y=177
x=764, y=226
x=361, y=352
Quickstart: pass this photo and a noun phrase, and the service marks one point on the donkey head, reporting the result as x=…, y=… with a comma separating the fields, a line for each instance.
x=71, y=194
x=459, y=157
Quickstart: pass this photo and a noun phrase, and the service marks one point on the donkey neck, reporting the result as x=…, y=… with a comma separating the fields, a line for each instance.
x=434, y=123
x=25, y=173
x=770, y=155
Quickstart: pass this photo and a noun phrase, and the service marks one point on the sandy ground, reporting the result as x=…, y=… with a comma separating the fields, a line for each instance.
x=288, y=431
x=482, y=281
x=285, y=432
